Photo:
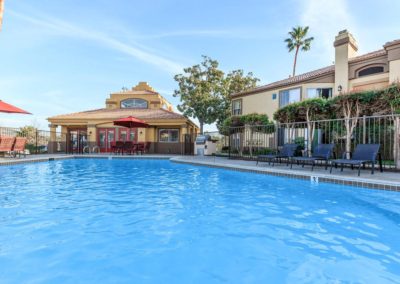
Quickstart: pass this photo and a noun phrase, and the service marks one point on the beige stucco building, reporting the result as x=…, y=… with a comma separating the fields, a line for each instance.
x=94, y=129
x=350, y=72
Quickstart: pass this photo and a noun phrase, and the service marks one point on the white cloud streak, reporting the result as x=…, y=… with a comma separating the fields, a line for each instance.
x=74, y=31
x=325, y=19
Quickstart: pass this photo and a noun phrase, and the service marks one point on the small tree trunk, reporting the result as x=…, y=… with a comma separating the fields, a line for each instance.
x=310, y=132
x=201, y=126
x=350, y=122
x=251, y=141
x=295, y=61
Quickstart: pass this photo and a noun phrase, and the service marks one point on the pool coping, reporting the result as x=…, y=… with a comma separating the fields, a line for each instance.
x=351, y=181
x=312, y=176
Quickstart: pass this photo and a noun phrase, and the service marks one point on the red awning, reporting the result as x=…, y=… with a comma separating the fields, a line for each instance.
x=131, y=122
x=4, y=107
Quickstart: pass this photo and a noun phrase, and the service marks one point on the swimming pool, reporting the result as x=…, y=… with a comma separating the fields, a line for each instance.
x=153, y=221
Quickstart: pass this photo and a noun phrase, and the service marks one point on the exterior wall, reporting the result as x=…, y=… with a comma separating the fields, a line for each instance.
x=154, y=101
x=140, y=91
x=371, y=82
x=394, y=74
x=356, y=66
x=260, y=103
x=263, y=102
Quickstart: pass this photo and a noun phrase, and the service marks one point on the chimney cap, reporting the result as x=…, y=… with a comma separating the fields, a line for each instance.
x=345, y=37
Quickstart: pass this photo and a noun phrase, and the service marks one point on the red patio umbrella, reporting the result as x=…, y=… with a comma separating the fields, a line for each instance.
x=4, y=107
x=131, y=122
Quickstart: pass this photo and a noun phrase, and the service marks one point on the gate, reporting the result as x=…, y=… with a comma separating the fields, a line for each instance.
x=188, y=144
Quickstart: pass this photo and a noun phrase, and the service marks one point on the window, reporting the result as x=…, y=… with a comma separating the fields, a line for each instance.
x=168, y=135
x=370, y=71
x=324, y=93
x=274, y=96
x=134, y=103
x=237, y=107
x=289, y=96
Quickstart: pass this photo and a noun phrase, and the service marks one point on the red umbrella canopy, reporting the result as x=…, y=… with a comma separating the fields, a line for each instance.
x=4, y=107
x=130, y=122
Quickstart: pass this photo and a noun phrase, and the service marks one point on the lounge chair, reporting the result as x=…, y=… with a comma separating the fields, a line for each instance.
x=363, y=154
x=322, y=152
x=19, y=146
x=286, y=152
x=6, y=145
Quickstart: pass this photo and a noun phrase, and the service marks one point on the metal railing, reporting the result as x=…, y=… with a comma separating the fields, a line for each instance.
x=247, y=142
x=38, y=141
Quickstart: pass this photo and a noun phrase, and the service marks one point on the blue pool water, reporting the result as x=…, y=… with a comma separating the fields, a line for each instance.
x=149, y=221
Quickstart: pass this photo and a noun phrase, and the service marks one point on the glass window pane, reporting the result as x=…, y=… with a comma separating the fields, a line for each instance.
x=174, y=136
x=294, y=96
x=134, y=103
x=164, y=135
x=132, y=136
x=312, y=93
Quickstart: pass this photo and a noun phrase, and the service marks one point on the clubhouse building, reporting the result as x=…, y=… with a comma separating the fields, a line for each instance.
x=351, y=72
x=95, y=130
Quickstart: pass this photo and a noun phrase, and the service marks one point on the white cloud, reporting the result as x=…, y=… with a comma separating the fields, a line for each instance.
x=69, y=30
x=325, y=19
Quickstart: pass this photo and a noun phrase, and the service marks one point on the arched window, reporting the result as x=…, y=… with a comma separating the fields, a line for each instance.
x=134, y=103
x=370, y=70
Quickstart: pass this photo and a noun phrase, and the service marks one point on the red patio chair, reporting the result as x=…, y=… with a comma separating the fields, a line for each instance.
x=6, y=145
x=19, y=146
x=128, y=147
x=140, y=148
x=119, y=147
x=147, y=147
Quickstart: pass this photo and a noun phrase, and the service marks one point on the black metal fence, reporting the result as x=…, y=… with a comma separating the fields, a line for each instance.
x=38, y=141
x=247, y=142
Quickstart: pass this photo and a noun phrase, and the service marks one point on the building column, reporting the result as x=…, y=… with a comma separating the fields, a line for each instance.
x=91, y=136
x=52, y=145
x=64, y=138
x=393, y=51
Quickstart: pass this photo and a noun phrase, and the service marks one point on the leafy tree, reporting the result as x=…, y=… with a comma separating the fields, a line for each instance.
x=234, y=82
x=199, y=91
x=309, y=111
x=226, y=126
x=256, y=123
x=205, y=91
x=297, y=40
x=350, y=107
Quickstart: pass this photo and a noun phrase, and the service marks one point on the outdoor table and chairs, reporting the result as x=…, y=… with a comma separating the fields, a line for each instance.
x=129, y=147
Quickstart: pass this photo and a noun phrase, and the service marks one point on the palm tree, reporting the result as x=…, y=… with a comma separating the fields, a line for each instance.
x=296, y=41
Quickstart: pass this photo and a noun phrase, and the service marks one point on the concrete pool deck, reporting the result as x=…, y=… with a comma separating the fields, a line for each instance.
x=388, y=180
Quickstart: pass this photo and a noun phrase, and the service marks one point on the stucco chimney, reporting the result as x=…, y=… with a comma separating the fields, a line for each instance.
x=345, y=48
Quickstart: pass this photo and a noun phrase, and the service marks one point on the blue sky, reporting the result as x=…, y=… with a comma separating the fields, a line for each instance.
x=67, y=55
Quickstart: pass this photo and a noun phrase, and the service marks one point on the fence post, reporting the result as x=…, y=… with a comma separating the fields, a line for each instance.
x=229, y=142
x=277, y=125
x=397, y=142
x=36, y=141
x=364, y=129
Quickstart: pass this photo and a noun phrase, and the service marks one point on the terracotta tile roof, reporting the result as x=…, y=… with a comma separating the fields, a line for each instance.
x=292, y=80
x=112, y=114
x=311, y=75
x=133, y=92
x=369, y=55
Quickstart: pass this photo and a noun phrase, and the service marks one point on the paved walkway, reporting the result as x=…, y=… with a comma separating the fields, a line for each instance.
x=387, y=180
